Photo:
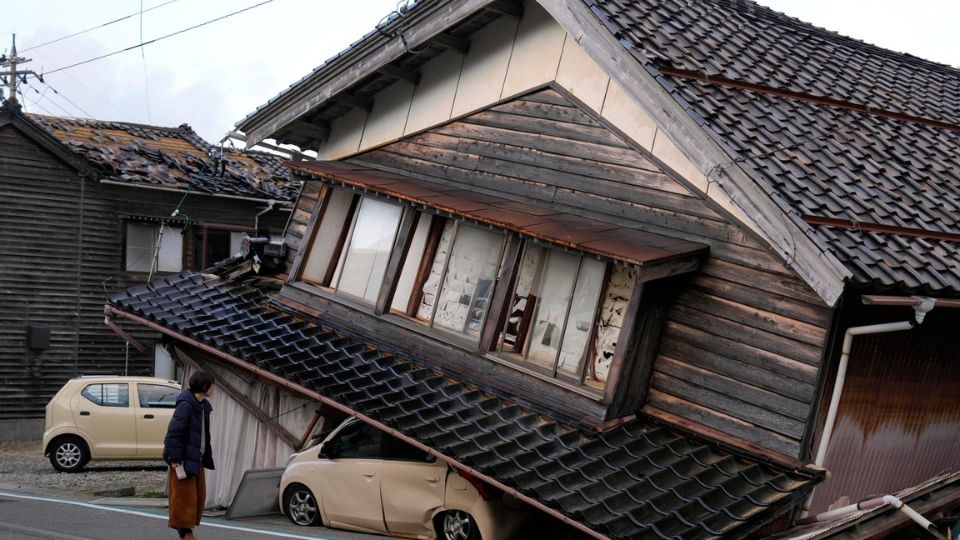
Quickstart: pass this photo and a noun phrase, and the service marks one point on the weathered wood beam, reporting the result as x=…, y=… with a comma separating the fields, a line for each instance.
x=667, y=269
x=245, y=402
x=306, y=434
x=126, y=337
x=506, y=8
x=400, y=73
x=499, y=304
x=452, y=42
x=351, y=100
x=309, y=130
x=323, y=199
x=408, y=224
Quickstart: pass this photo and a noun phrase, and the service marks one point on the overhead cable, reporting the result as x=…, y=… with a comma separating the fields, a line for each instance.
x=92, y=28
x=142, y=44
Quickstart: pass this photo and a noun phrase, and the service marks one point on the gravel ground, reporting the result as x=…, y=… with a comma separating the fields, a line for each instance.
x=23, y=466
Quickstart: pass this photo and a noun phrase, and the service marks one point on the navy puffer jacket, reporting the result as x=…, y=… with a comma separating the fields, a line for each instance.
x=182, y=443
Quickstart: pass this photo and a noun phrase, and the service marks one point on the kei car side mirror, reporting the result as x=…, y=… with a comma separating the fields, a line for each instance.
x=326, y=450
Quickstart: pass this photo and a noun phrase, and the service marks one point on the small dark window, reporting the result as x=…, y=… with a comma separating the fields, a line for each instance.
x=157, y=396
x=108, y=395
x=394, y=448
x=358, y=440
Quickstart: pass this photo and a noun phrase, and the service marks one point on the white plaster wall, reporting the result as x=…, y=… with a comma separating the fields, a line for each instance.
x=389, y=115
x=536, y=51
x=345, y=135
x=485, y=66
x=433, y=97
x=505, y=59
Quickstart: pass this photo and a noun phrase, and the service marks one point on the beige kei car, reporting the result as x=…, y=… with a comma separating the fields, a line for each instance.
x=362, y=479
x=114, y=418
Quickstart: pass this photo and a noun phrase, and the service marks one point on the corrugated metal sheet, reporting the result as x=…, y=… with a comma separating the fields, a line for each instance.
x=899, y=419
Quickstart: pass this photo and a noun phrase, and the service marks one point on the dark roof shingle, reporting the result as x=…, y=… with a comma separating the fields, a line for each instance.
x=818, y=158
x=641, y=479
x=174, y=158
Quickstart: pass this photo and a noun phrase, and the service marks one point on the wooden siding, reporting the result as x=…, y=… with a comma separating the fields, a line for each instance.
x=742, y=344
x=61, y=249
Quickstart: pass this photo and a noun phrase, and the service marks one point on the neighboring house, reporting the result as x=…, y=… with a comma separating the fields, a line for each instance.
x=84, y=202
x=604, y=254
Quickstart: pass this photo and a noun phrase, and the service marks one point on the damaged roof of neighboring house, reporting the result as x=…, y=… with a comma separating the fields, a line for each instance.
x=171, y=158
x=642, y=478
x=860, y=142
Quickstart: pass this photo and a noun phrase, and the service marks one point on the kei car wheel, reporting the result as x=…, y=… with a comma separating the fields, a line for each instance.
x=301, y=506
x=69, y=454
x=457, y=525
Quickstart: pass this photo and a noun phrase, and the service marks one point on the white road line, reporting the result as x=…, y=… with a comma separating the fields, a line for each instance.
x=157, y=516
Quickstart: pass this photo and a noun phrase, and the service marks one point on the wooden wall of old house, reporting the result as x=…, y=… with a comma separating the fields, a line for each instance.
x=61, y=256
x=742, y=344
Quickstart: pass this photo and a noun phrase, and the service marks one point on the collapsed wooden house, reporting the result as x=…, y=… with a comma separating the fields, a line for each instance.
x=85, y=202
x=604, y=255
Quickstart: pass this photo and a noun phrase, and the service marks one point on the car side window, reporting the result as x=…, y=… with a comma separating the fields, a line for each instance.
x=358, y=440
x=108, y=394
x=157, y=396
x=395, y=449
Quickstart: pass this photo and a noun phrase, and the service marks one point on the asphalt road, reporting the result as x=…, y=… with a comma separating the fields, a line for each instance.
x=31, y=517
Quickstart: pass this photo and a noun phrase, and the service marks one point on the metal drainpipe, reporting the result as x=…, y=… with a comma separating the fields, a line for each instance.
x=920, y=311
x=256, y=219
x=875, y=503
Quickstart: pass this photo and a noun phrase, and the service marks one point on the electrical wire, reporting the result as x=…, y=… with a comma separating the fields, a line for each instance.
x=92, y=28
x=68, y=100
x=145, y=43
x=52, y=102
x=143, y=60
x=80, y=83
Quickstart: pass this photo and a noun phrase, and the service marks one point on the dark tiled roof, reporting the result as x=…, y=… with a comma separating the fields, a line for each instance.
x=175, y=158
x=816, y=158
x=641, y=479
x=585, y=234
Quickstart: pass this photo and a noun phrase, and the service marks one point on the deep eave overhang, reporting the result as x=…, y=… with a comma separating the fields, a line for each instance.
x=591, y=236
x=423, y=21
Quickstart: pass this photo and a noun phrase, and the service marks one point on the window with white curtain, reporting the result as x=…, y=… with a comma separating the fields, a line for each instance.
x=142, y=247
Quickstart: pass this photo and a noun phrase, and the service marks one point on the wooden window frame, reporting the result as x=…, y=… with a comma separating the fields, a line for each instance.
x=589, y=350
x=504, y=286
x=156, y=222
x=204, y=227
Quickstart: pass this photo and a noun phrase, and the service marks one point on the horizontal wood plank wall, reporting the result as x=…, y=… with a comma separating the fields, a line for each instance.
x=39, y=233
x=741, y=347
x=297, y=226
x=61, y=256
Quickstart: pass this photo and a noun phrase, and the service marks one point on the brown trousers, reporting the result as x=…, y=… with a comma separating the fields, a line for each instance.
x=186, y=498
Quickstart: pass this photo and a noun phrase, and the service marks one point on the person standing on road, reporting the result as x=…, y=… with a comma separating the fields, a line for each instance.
x=186, y=449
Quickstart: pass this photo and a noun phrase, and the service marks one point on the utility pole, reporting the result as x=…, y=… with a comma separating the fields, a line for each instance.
x=12, y=75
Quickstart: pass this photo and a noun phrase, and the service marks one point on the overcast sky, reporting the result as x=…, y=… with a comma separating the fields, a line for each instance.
x=214, y=76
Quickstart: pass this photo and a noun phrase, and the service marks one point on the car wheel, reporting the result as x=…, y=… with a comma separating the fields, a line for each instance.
x=69, y=454
x=457, y=525
x=301, y=506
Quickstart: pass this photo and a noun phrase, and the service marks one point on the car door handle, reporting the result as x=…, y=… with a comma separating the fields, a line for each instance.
x=84, y=413
x=369, y=474
x=148, y=416
x=431, y=479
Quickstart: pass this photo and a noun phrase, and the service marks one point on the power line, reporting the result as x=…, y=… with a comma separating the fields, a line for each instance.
x=68, y=100
x=142, y=44
x=80, y=83
x=108, y=23
x=143, y=60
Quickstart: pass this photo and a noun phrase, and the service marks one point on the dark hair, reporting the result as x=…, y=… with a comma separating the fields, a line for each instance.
x=200, y=382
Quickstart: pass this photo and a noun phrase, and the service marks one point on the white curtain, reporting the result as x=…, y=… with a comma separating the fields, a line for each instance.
x=240, y=442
